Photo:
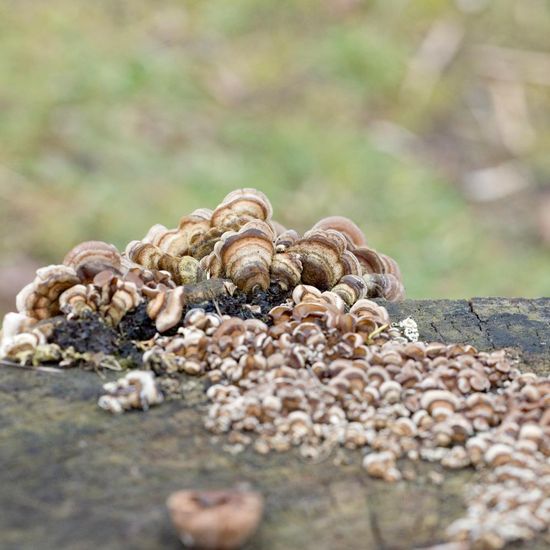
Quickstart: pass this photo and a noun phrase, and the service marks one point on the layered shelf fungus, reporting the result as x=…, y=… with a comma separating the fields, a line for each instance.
x=295, y=352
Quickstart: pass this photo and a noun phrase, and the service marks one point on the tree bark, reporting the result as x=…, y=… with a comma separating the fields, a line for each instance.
x=72, y=476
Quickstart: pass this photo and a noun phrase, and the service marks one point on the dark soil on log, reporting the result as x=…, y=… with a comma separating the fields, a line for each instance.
x=248, y=306
x=136, y=325
x=91, y=334
x=88, y=334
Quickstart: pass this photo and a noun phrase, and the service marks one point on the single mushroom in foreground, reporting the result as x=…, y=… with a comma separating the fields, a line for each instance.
x=221, y=520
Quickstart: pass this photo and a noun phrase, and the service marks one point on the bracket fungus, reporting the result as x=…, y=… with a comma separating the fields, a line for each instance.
x=216, y=520
x=40, y=299
x=325, y=259
x=246, y=255
x=91, y=257
x=166, y=308
x=184, y=269
x=296, y=354
x=108, y=295
x=241, y=206
x=346, y=227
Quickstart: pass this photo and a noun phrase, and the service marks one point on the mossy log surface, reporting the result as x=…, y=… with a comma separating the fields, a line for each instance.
x=73, y=476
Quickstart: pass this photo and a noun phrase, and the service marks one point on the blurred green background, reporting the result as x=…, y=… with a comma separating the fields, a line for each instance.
x=427, y=122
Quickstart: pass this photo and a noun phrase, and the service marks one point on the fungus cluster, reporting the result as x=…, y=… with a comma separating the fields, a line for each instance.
x=309, y=362
x=136, y=390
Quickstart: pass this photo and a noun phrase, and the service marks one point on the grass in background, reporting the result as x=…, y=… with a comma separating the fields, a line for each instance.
x=117, y=115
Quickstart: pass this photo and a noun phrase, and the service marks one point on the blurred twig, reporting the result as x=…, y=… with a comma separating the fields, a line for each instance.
x=511, y=115
x=496, y=182
x=510, y=64
x=438, y=49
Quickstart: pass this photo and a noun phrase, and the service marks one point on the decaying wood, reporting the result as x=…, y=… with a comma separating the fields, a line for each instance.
x=207, y=290
x=72, y=476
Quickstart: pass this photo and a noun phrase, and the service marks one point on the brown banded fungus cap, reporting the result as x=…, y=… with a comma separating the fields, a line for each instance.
x=241, y=206
x=246, y=255
x=325, y=259
x=351, y=232
x=91, y=257
x=108, y=295
x=40, y=299
x=171, y=241
x=166, y=308
x=184, y=269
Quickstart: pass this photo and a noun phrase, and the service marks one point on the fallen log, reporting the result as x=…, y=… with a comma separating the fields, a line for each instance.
x=73, y=476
